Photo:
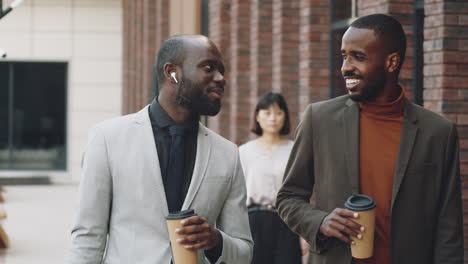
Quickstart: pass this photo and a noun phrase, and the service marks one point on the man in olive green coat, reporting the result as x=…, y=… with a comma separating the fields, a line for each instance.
x=408, y=158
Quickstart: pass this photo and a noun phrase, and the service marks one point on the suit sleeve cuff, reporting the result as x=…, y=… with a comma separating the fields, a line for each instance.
x=319, y=242
x=214, y=253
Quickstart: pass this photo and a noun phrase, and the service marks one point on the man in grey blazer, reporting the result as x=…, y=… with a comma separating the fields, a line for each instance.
x=376, y=142
x=136, y=169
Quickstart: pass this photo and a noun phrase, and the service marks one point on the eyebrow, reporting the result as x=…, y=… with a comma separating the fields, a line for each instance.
x=207, y=61
x=355, y=52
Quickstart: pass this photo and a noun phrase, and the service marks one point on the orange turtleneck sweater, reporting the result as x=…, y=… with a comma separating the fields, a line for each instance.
x=379, y=139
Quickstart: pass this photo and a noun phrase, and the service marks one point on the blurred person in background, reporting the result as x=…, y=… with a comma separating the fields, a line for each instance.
x=264, y=161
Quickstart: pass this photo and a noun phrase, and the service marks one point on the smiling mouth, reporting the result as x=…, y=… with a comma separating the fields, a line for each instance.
x=217, y=93
x=351, y=83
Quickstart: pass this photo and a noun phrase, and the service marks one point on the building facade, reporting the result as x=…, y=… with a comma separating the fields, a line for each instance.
x=293, y=46
x=62, y=75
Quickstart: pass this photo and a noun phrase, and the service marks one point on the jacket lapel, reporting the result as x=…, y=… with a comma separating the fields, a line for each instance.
x=201, y=164
x=350, y=122
x=151, y=156
x=409, y=131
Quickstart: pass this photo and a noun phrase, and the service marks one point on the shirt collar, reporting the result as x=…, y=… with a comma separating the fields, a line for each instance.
x=159, y=115
x=394, y=108
x=162, y=119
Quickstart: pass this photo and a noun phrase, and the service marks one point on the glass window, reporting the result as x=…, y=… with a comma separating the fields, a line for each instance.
x=4, y=114
x=205, y=17
x=418, y=57
x=343, y=12
x=35, y=114
x=338, y=84
x=343, y=9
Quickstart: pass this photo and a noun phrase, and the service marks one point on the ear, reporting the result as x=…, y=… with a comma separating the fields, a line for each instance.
x=168, y=69
x=392, y=63
x=257, y=117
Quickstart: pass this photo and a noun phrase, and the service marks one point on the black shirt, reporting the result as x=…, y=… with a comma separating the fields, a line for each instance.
x=160, y=122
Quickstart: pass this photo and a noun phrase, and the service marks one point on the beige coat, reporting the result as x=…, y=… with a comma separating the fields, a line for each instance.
x=426, y=214
x=121, y=217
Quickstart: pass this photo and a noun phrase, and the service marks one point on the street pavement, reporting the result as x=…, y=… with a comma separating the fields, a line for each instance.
x=39, y=222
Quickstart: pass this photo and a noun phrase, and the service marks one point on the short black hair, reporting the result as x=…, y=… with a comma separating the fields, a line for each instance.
x=172, y=50
x=264, y=102
x=387, y=29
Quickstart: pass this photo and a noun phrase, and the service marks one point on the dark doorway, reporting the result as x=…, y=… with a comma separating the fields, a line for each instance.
x=33, y=115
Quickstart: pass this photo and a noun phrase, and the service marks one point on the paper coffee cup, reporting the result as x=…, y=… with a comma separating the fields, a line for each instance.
x=180, y=255
x=365, y=207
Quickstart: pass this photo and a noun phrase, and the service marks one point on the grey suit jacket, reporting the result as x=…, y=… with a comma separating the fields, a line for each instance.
x=121, y=217
x=426, y=214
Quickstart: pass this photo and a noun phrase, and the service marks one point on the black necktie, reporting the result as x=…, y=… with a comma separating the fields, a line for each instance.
x=175, y=169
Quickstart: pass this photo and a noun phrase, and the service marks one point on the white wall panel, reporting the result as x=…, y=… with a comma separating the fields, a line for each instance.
x=97, y=45
x=52, y=45
x=97, y=19
x=19, y=20
x=52, y=19
x=17, y=45
x=102, y=71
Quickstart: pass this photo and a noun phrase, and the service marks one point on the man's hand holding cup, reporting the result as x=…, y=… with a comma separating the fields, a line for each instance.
x=339, y=224
x=197, y=233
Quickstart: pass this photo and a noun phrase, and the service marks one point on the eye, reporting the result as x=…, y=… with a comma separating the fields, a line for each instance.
x=343, y=56
x=359, y=58
x=208, y=68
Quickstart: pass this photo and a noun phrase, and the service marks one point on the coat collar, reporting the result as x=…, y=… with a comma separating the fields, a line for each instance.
x=350, y=123
x=409, y=132
x=204, y=145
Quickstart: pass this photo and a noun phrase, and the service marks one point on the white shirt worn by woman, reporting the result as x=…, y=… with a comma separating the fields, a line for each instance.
x=263, y=170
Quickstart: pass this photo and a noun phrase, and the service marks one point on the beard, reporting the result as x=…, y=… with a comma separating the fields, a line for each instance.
x=370, y=92
x=197, y=100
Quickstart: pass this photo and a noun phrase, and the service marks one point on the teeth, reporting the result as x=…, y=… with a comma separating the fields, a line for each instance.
x=352, y=81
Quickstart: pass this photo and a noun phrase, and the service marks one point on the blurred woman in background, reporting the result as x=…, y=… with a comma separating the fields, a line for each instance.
x=264, y=161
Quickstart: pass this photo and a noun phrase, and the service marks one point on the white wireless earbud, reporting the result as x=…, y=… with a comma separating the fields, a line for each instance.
x=173, y=75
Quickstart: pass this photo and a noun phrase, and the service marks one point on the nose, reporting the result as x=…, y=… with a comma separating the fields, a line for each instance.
x=273, y=117
x=219, y=78
x=347, y=66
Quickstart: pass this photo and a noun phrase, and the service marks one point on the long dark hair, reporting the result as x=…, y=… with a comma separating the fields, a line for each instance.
x=264, y=102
